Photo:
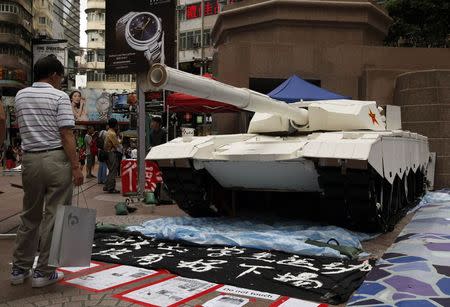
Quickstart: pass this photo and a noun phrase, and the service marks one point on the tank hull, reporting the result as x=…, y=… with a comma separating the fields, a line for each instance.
x=365, y=180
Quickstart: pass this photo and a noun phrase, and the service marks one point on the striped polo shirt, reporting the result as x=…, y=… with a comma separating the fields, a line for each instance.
x=41, y=110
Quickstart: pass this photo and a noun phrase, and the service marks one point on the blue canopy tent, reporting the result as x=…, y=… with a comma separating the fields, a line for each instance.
x=296, y=89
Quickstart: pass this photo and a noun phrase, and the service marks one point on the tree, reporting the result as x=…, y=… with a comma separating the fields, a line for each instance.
x=419, y=23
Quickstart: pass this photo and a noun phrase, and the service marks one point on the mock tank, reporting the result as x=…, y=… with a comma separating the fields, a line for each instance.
x=344, y=158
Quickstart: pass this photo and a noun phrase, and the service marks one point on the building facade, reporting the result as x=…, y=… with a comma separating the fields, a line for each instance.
x=195, y=54
x=15, y=45
x=92, y=62
x=339, y=44
x=16, y=25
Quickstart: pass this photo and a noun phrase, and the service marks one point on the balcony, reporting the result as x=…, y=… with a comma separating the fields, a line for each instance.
x=13, y=39
x=95, y=4
x=93, y=65
x=96, y=45
x=95, y=25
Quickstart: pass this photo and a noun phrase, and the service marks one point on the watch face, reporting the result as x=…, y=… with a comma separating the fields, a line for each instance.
x=143, y=27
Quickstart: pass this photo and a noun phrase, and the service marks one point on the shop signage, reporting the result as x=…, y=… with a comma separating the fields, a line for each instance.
x=45, y=47
x=211, y=7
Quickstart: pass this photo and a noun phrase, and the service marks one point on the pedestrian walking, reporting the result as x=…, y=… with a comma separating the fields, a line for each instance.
x=2, y=122
x=111, y=145
x=90, y=156
x=49, y=168
x=101, y=157
x=10, y=158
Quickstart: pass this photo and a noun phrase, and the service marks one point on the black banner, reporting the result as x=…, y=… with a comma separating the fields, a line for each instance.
x=319, y=279
x=139, y=32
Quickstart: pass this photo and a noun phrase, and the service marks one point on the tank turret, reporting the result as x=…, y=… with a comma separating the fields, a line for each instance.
x=364, y=172
x=273, y=115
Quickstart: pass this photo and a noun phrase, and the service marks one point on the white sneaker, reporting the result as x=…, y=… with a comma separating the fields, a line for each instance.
x=40, y=280
x=18, y=275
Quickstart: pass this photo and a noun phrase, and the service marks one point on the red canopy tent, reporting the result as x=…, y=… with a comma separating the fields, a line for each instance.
x=179, y=102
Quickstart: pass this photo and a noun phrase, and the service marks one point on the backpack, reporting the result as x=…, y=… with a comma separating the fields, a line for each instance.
x=100, y=142
x=93, y=147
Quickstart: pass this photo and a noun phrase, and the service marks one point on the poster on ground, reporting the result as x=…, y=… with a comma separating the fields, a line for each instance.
x=111, y=278
x=226, y=301
x=138, y=34
x=172, y=291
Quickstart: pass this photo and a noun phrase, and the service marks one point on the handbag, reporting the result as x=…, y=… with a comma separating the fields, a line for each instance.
x=73, y=235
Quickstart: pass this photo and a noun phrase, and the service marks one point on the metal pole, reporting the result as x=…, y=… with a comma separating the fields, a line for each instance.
x=167, y=116
x=178, y=40
x=201, y=37
x=141, y=137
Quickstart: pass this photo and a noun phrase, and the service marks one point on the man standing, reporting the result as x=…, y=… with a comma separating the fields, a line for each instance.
x=50, y=164
x=2, y=124
x=157, y=134
x=110, y=147
x=90, y=157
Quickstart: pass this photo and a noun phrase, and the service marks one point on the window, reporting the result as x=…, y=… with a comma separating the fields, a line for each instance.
x=101, y=55
x=42, y=20
x=207, y=38
x=191, y=40
x=95, y=76
x=183, y=41
x=9, y=8
x=90, y=57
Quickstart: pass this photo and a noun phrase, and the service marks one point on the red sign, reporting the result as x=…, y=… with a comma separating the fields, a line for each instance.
x=149, y=96
x=209, y=8
x=129, y=176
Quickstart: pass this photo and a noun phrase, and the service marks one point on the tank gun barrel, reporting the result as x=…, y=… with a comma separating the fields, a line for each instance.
x=163, y=77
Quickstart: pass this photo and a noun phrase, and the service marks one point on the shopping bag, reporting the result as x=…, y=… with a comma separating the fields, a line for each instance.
x=73, y=236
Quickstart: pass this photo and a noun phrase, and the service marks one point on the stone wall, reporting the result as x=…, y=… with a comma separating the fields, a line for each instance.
x=424, y=97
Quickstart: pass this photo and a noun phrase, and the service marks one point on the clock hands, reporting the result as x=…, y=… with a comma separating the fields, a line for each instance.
x=143, y=28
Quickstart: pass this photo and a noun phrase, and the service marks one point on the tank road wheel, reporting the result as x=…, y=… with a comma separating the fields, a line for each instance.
x=361, y=199
x=420, y=183
x=189, y=188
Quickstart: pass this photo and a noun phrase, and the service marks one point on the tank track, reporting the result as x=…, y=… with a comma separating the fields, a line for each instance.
x=189, y=189
x=363, y=200
x=357, y=199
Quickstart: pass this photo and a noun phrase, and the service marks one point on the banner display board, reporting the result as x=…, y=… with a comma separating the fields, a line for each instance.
x=43, y=48
x=129, y=176
x=138, y=34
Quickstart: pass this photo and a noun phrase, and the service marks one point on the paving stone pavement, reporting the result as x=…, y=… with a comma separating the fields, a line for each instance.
x=66, y=295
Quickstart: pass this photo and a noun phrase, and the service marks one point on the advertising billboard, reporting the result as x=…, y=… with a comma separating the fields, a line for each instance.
x=138, y=34
x=99, y=106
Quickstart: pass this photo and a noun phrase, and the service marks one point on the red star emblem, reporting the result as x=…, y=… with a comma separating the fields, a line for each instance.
x=373, y=117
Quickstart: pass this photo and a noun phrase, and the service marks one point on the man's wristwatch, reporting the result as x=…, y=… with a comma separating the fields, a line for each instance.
x=142, y=31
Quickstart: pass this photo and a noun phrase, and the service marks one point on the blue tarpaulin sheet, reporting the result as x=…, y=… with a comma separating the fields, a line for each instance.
x=283, y=236
x=296, y=89
x=288, y=236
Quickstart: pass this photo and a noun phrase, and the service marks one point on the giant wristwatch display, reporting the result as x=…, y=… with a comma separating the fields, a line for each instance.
x=142, y=31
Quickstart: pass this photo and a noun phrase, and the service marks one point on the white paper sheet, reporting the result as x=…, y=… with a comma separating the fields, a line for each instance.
x=110, y=278
x=169, y=291
x=293, y=302
x=74, y=269
x=226, y=301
